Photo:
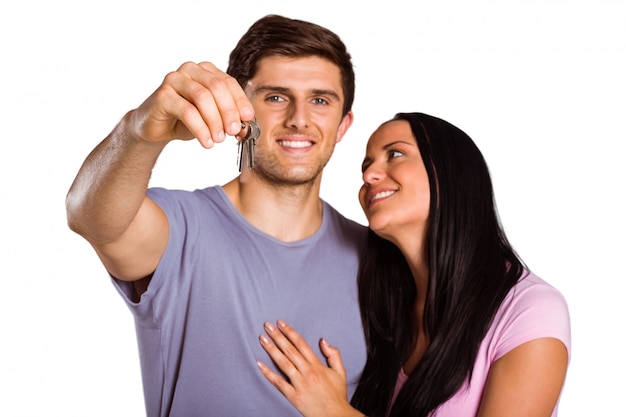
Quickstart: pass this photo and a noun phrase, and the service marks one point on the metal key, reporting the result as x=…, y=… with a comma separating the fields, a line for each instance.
x=246, y=144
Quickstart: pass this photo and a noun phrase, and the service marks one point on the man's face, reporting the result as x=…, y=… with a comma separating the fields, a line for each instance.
x=298, y=104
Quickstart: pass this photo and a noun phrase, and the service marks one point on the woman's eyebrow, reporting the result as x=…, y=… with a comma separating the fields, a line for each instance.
x=394, y=143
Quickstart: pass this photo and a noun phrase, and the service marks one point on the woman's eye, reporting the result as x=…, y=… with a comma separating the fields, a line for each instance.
x=394, y=154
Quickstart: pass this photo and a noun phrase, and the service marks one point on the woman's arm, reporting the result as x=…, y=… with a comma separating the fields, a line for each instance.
x=527, y=381
x=313, y=388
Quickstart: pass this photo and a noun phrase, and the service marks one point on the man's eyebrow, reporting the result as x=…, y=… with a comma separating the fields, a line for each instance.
x=271, y=88
x=330, y=93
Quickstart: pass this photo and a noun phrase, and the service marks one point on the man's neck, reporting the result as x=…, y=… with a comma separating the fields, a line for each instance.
x=289, y=212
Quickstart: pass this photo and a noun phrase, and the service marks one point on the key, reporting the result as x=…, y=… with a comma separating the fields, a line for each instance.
x=246, y=144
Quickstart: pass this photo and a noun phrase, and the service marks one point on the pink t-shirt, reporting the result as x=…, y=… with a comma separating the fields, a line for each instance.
x=533, y=309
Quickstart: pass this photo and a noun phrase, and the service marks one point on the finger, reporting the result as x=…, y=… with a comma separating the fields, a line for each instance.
x=278, y=357
x=202, y=109
x=166, y=115
x=333, y=356
x=279, y=382
x=188, y=122
x=232, y=102
x=242, y=102
x=291, y=352
x=297, y=341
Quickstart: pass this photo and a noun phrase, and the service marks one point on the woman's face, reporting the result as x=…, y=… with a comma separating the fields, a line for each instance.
x=395, y=194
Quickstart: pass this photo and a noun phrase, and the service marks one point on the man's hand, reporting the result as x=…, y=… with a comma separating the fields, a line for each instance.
x=195, y=101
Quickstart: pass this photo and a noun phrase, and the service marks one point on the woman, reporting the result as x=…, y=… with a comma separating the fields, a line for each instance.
x=455, y=324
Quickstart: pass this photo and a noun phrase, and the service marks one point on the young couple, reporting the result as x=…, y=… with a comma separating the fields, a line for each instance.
x=430, y=307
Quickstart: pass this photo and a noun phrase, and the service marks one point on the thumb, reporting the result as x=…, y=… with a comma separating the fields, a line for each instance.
x=333, y=356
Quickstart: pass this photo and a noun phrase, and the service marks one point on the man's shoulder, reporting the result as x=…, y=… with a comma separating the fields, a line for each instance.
x=175, y=194
x=186, y=204
x=344, y=222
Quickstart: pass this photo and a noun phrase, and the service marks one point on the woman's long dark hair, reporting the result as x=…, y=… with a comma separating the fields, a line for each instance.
x=472, y=267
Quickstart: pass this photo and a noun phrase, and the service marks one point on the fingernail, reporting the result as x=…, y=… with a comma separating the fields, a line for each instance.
x=281, y=323
x=264, y=339
x=269, y=327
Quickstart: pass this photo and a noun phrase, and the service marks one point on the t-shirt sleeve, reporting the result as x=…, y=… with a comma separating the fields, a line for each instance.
x=532, y=311
x=147, y=311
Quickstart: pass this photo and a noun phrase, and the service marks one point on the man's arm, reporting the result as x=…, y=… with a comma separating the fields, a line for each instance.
x=107, y=203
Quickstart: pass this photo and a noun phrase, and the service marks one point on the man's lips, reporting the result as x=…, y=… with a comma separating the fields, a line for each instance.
x=295, y=143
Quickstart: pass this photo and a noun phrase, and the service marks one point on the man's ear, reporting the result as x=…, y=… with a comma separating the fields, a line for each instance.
x=345, y=124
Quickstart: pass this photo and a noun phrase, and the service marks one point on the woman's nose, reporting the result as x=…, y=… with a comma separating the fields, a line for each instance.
x=372, y=174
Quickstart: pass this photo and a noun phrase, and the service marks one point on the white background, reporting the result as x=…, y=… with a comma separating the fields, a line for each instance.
x=539, y=85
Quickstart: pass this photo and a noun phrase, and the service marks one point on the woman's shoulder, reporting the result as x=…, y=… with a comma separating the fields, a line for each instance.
x=535, y=290
x=533, y=309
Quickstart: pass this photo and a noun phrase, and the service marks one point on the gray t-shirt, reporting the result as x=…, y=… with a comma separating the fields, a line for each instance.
x=219, y=280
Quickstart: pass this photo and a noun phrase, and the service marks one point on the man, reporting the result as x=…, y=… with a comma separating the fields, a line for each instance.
x=202, y=271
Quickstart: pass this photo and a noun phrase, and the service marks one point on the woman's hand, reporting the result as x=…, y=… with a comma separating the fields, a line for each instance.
x=313, y=388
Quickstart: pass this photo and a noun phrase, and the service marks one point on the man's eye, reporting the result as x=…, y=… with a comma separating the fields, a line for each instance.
x=275, y=99
x=320, y=101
